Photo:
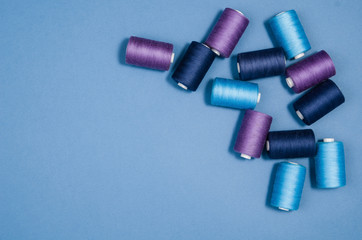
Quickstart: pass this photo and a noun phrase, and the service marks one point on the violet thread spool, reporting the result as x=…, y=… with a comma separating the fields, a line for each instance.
x=148, y=53
x=227, y=32
x=252, y=134
x=310, y=71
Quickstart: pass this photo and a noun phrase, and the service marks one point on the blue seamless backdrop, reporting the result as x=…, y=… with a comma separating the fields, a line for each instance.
x=91, y=148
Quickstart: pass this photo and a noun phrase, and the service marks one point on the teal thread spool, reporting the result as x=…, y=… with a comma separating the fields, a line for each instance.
x=234, y=94
x=330, y=164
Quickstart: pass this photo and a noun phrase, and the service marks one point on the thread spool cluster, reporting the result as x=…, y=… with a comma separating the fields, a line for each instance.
x=312, y=73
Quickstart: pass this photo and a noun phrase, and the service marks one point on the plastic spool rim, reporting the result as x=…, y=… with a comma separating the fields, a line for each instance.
x=280, y=13
x=300, y=115
x=267, y=145
x=298, y=56
x=239, y=12
x=215, y=51
x=328, y=139
x=245, y=156
x=283, y=209
x=259, y=95
x=205, y=45
x=238, y=66
x=293, y=163
x=172, y=57
x=290, y=82
x=181, y=85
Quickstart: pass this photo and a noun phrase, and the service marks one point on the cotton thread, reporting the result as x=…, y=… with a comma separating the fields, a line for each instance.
x=319, y=101
x=291, y=144
x=310, y=71
x=288, y=186
x=149, y=53
x=289, y=34
x=227, y=32
x=261, y=64
x=330, y=164
x=234, y=94
x=193, y=66
x=252, y=134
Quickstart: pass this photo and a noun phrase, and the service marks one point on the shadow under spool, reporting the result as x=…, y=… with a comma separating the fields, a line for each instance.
x=291, y=144
x=318, y=101
x=193, y=66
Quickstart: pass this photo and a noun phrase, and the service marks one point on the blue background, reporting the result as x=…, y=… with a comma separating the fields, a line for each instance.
x=91, y=148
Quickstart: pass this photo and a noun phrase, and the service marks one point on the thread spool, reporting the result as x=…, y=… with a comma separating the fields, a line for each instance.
x=330, y=164
x=288, y=186
x=291, y=144
x=234, y=94
x=289, y=34
x=149, y=53
x=227, y=32
x=261, y=64
x=252, y=134
x=193, y=66
x=318, y=101
x=310, y=71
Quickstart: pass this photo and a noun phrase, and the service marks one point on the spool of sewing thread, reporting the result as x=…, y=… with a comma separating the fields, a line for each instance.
x=261, y=64
x=289, y=34
x=310, y=71
x=319, y=101
x=149, y=53
x=193, y=66
x=234, y=94
x=252, y=134
x=227, y=32
x=288, y=186
x=291, y=144
x=329, y=164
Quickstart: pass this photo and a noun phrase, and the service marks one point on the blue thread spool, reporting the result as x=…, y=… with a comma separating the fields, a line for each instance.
x=330, y=164
x=289, y=34
x=260, y=64
x=288, y=186
x=319, y=101
x=291, y=144
x=193, y=66
x=234, y=94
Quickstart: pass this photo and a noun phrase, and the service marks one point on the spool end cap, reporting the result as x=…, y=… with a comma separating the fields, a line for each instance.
x=181, y=85
x=290, y=82
x=328, y=139
x=245, y=156
x=172, y=57
x=298, y=56
x=300, y=115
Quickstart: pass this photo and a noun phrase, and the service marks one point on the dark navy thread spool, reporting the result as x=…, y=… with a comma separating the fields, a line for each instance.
x=288, y=186
x=234, y=94
x=227, y=32
x=330, y=164
x=291, y=144
x=289, y=34
x=318, y=101
x=148, y=53
x=310, y=71
x=193, y=66
x=261, y=64
x=252, y=134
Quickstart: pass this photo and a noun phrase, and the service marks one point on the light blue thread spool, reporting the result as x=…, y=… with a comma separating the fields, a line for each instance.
x=330, y=164
x=234, y=94
x=288, y=186
x=289, y=34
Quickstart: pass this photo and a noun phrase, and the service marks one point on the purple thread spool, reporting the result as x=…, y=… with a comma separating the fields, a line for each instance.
x=310, y=71
x=149, y=53
x=252, y=134
x=227, y=32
